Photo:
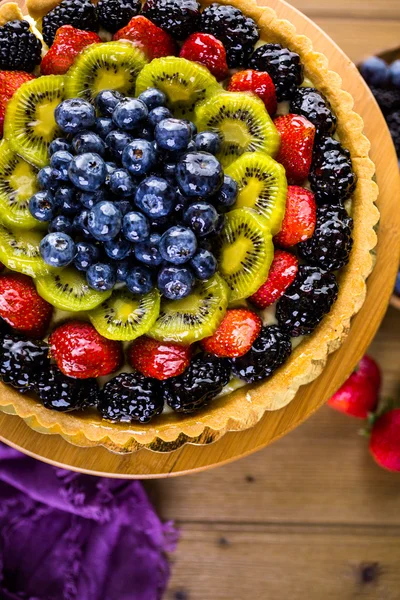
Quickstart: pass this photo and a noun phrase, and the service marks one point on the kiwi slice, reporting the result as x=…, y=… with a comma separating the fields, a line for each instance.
x=29, y=124
x=183, y=82
x=108, y=66
x=68, y=290
x=242, y=122
x=262, y=185
x=125, y=316
x=195, y=317
x=244, y=251
x=19, y=251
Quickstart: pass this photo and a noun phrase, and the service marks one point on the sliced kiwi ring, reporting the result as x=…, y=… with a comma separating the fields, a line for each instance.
x=244, y=252
x=262, y=185
x=19, y=251
x=124, y=316
x=195, y=317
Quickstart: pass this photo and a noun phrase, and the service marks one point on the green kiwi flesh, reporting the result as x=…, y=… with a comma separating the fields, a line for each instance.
x=124, y=316
x=262, y=185
x=185, y=83
x=195, y=317
x=242, y=122
x=67, y=289
x=29, y=124
x=19, y=251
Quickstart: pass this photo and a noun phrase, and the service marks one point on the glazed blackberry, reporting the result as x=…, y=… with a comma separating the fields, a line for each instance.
x=115, y=14
x=179, y=18
x=332, y=177
x=283, y=66
x=331, y=243
x=131, y=397
x=393, y=122
x=237, y=32
x=388, y=99
x=20, y=49
x=269, y=351
x=56, y=391
x=313, y=105
x=21, y=361
x=305, y=303
x=78, y=13
x=198, y=385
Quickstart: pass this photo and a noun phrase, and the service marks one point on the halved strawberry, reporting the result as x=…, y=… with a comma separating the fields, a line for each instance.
x=208, y=51
x=152, y=40
x=300, y=217
x=159, y=360
x=10, y=81
x=259, y=83
x=297, y=141
x=68, y=43
x=281, y=274
x=235, y=335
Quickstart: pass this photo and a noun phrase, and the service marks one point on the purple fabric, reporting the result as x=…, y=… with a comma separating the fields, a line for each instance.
x=67, y=536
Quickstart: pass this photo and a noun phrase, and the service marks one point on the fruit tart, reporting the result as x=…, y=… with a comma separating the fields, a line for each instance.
x=187, y=217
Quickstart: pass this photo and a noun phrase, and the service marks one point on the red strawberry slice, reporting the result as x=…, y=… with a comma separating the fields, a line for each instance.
x=259, y=83
x=300, y=217
x=68, y=43
x=384, y=443
x=281, y=274
x=10, y=81
x=236, y=334
x=208, y=51
x=297, y=141
x=159, y=360
x=152, y=40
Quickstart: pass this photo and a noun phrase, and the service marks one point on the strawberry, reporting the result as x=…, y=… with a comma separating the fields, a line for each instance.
x=159, y=360
x=359, y=395
x=68, y=43
x=259, y=83
x=81, y=352
x=235, y=335
x=152, y=40
x=300, y=217
x=297, y=141
x=384, y=443
x=10, y=81
x=22, y=307
x=281, y=274
x=208, y=51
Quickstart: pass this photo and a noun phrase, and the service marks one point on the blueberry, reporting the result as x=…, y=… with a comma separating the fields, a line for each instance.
x=208, y=141
x=178, y=245
x=204, y=264
x=155, y=197
x=104, y=221
x=375, y=71
x=49, y=178
x=80, y=223
x=144, y=133
x=135, y=227
x=41, y=206
x=148, y=252
x=129, y=113
x=107, y=100
x=220, y=224
x=118, y=248
x=152, y=97
x=75, y=114
x=227, y=193
x=104, y=126
x=87, y=172
x=192, y=126
x=116, y=142
x=101, y=277
x=139, y=157
x=394, y=74
x=57, y=249
x=169, y=171
x=89, y=199
x=139, y=280
x=66, y=201
x=110, y=167
x=123, y=267
x=199, y=174
x=87, y=254
x=162, y=224
x=124, y=206
x=61, y=161
x=61, y=223
x=158, y=114
x=172, y=135
x=175, y=283
x=59, y=144
x=121, y=183
x=88, y=141
x=201, y=217
x=397, y=285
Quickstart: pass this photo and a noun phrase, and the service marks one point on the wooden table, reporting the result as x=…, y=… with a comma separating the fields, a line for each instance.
x=310, y=516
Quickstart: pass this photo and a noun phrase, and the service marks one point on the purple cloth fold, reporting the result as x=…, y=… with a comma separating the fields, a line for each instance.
x=69, y=536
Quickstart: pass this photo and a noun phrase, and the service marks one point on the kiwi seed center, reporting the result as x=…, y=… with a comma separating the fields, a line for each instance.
x=235, y=254
x=45, y=124
x=105, y=80
x=23, y=181
x=235, y=132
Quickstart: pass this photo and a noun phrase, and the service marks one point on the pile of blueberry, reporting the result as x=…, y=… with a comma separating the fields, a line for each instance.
x=132, y=196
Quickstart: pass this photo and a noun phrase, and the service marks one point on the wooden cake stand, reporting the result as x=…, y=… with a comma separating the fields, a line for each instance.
x=146, y=464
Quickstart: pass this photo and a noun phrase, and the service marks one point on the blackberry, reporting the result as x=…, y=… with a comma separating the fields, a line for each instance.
x=131, y=397
x=64, y=394
x=179, y=18
x=237, y=32
x=283, y=66
x=313, y=105
x=332, y=177
x=388, y=99
x=393, y=122
x=21, y=361
x=306, y=301
x=269, y=351
x=201, y=382
x=115, y=14
x=20, y=49
x=78, y=13
x=331, y=243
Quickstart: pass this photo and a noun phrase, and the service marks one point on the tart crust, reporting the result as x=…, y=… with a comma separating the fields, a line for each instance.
x=10, y=12
x=244, y=407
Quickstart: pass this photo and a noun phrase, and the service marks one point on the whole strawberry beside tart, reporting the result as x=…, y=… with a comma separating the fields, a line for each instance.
x=176, y=201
